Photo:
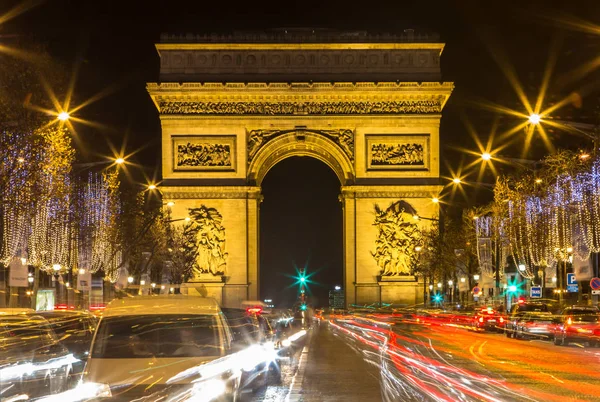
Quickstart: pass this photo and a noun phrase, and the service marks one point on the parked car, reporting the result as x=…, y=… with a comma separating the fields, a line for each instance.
x=578, y=324
x=539, y=325
x=518, y=311
x=74, y=330
x=250, y=327
x=154, y=346
x=486, y=319
x=33, y=362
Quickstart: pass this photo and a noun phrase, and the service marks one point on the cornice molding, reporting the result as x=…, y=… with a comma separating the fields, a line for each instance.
x=409, y=191
x=192, y=88
x=366, y=98
x=210, y=192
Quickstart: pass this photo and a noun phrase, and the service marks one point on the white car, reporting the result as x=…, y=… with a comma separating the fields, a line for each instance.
x=160, y=347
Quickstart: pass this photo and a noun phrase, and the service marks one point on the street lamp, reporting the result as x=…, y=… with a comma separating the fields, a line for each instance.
x=535, y=118
x=338, y=288
x=522, y=267
x=130, y=279
x=418, y=248
x=476, y=277
x=152, y=187
x=435, y=200
x=463, y=279
x=142, y=282
x=456, y=180
x=81, y=271
x=439, y=285
x=170, y=204
x=119, y=161
x=486, y=156
x=30, y=279
x=450, y=282
x=63, y=116
x=56, y=267
x=430, y=287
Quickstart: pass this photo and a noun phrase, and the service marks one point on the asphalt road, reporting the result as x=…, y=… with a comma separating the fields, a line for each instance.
x=358, y=359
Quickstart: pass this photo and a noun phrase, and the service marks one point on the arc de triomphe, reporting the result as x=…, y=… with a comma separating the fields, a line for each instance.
x=369, y=107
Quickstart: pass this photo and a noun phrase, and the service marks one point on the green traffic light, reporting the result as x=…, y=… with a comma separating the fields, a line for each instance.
x=302, y=279
x=303, y=307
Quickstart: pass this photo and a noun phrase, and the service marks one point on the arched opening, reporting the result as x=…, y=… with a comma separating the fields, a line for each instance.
x=300, y=225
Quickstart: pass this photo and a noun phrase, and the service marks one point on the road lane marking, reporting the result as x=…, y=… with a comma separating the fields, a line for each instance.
x=550, y=375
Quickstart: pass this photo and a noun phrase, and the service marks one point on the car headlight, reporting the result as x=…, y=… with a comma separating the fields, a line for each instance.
x=208, y=390
x=286, y=343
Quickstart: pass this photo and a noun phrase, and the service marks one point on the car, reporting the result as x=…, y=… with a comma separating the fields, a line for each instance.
x=33, y=363
x=75, y=330
x=518, y=311
x=152, y=346
x=486, y=319
x=249, y=327
x=578, y=324
x=539, y=325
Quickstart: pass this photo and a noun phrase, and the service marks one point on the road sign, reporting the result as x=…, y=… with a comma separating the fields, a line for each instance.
x=476, y=291
x=535, y=292
x=596, y=291
x=571, y=280
x=572, y=288
x=595, y=283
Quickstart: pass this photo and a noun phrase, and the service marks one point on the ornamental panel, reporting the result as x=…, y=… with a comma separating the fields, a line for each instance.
x=398, y=152
x=204, y=152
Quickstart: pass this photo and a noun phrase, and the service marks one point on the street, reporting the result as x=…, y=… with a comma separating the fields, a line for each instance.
x=357, y=359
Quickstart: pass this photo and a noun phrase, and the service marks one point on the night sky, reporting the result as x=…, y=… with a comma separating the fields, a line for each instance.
x=111, y=46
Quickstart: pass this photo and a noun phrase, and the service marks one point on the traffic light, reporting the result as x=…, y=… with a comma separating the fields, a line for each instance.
x=303, y=307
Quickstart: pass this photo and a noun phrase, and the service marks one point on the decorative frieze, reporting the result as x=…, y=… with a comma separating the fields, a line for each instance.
x=302, y=108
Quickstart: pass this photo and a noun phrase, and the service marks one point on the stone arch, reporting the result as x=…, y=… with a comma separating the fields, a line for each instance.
x=301, y=143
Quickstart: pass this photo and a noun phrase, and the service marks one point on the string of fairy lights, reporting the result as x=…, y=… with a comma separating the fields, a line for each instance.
x=556, y=225
x=52, y=221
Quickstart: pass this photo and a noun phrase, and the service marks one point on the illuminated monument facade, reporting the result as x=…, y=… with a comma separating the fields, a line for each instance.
x=369, y=107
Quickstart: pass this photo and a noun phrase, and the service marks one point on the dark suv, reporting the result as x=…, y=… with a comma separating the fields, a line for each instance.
x=518, y=312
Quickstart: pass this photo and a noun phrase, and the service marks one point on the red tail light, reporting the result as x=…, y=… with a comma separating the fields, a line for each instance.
x=501, y=320
x=569, y=321
x=480, y=319
x=254, y=310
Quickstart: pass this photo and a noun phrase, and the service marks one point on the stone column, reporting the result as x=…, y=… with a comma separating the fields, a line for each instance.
x=252, y=213
x=348, y=201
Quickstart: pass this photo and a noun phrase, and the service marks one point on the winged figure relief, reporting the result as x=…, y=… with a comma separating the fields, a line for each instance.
x=210, y=238
x=397, y=236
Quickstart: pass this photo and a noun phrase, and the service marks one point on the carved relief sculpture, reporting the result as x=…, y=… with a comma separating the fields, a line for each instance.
x=344, y=138
x=395, y=244
x=203, y=152
x=409, y=154
x=210, y=238
x=308, y=108
x=199, y=154
x=397, y=151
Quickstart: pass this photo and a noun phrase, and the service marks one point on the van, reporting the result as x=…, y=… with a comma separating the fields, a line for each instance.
x=143, y=342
